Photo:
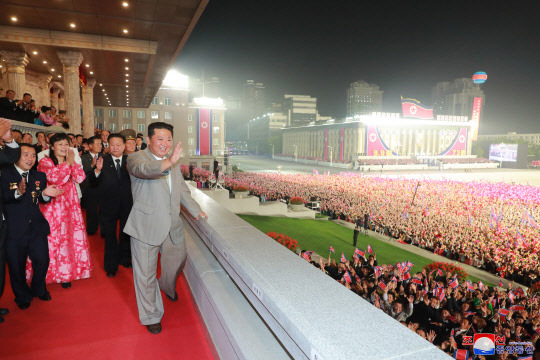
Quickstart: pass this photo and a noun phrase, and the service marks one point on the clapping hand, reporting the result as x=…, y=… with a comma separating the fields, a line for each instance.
x=52, y=191
x=99, y=164
x=70, y=158
x=21, y=188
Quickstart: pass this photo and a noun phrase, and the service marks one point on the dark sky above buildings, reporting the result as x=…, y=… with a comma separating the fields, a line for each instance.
x=319, y=48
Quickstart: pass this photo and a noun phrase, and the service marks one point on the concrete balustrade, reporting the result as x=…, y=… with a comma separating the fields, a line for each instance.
x=261, y=301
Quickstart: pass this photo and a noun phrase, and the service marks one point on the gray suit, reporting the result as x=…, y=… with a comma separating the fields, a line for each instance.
x=155, y=226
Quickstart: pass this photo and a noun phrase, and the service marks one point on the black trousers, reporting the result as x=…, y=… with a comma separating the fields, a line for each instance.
x=3, y=238
x=91, y=203
x=117, y=247
x=18, y=248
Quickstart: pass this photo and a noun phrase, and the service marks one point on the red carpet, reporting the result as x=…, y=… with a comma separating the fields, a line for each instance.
x=97, y=319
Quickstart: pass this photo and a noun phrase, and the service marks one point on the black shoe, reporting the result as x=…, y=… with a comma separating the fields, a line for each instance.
x=127, y=266
x=46, y=297
x=23, y=306
x=174, y=298
x=154, y=328
x=66, y=285
x=4, y=311
x=111, y=274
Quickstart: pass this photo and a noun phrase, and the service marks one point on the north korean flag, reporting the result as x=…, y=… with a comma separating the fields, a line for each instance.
x=406, y=276
x=347, y=277
x=332, y=249
x=501, y=283
x=382, y=285
x=369, y=249
x=417, y=281
x=439, y=272
x=359, y=252
x=413, y=108
x=517, y=308
x=461, y=354
x=454, y=284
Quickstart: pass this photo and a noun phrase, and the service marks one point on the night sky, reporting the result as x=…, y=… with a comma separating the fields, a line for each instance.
x=406, y=47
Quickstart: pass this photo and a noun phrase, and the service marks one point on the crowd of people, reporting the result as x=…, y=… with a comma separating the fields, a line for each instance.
x=489, y=225
x=438, y=308
x=476, y=160
x=45, y=183
x=26, y=110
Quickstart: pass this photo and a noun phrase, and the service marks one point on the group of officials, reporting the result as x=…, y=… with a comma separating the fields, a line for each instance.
x=141, y=192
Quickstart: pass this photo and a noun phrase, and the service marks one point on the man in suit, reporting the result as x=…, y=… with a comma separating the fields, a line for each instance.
x=89, y=191
x=26, y=109
x=23, y=188
x=356, y=231
x=8, y=105
x=154, y=223
x=114, y=187
x=8, y=155
x=104, y=141
x=140, y=145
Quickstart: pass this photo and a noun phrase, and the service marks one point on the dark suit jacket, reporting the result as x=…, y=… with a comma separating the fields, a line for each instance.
x=7, y=108
x=88, y=170
x=25, y=115
x=114, y=192
x=7, y=156
x=23, y=213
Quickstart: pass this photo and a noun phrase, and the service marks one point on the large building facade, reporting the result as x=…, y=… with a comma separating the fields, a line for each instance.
x=380, y=134
x=363, y=98
x=456, y=98
x=199, y=124
x=512, y=136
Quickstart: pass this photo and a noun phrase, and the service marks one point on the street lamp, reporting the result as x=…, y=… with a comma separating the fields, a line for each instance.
x=272, y=145
x=331, y=154
x=295, y=153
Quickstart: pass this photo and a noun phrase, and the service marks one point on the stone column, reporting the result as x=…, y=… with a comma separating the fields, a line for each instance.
x=15, y=71
x=88, y=107
x=71, y=61
x=61, y=102
x=54, y=98
x=44, y=89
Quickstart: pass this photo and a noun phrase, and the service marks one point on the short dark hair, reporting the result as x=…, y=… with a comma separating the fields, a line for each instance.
x=76, y=136
x=13, y=91
x=40, y=132
x=54, y=139
x=159, y=125
x=92, y=139
x=16, y=131
x=28, y=146
x=116, y=135
x=26, y=94
x=28, y=134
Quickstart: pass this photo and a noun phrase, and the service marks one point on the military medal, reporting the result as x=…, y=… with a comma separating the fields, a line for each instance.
x=37, y=185
x=12, y=186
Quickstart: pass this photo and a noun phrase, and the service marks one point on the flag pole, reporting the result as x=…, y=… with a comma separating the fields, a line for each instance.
x=415, y=190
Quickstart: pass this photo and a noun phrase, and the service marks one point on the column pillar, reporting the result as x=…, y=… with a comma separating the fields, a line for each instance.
x=15, y=71
x=88, y=107
x=61, y=101
x=71, y=61
x=44, y=89
x=54, y=98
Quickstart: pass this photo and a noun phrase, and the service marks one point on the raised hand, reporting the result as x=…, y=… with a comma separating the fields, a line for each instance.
x=5, y=130
x=52, y=191
x=176, y=153
x=21, y=188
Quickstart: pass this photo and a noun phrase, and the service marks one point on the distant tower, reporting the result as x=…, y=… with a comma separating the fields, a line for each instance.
x=363, y=98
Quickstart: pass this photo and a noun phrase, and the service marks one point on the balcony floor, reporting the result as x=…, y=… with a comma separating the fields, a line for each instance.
x=97, y=319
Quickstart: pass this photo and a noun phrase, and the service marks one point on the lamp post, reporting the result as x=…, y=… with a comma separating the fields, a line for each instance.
x=331, y=154
x=272, y=145
x=295, y=153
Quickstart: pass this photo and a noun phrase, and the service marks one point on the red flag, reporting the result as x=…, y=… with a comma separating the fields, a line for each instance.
x=501, y=283
x=382, y=285
x=347, y=277
x=461, y=354
x=406, y=276
x=204, y=140
x=439, y=272
x=369, y=249
x=343, y=258
x=454, y=284
x=414, y=109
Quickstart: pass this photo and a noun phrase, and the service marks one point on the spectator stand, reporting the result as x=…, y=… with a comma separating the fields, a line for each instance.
x=33, y=129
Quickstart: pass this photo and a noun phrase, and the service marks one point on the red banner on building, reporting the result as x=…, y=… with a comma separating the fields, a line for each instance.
x=374, y=144
x=326, y=143
x=459, y=144
x=204, y=138
x=475, y=117
x=341, y=132
x=414, y=109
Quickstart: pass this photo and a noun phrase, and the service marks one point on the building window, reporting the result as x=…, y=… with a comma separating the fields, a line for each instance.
x=141, y=114
x=141, y=128
x=154, y=115
x=112, y=127
x=167, y=101
x=190, y=117
x=98, y=112
x=215, y=142
x=127, y=126
x=113, y=113
x=168, y=115
x=155, y=100
x=190, y=129
x=99, y=126
x=190, y=141
x=215, y=130
x=215, y=118
x=126, y=114
x=190, y=152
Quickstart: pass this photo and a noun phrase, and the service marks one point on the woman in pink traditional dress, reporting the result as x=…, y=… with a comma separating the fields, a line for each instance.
x=69, y=251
